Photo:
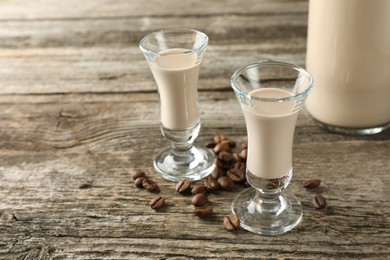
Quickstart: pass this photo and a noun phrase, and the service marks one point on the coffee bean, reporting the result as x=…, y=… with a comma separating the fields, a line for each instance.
x=211, y=144
x=225, y=160
x=138, y=182
x=149, y=185
x=137, y=174
x=244, y=154
x=311, y=184
x=231, y=222
x=225, y=183
x=223, y=146
x=218, y=172
x=237, y=173
x=211, y=184
x=199, y=200
x=232, y=144
x=183, y=186
x=244, y=144
x=220, y=138
x=198, y=189
x=203, y=212
x=236, y=157
x=319, y=202
x=157, y=203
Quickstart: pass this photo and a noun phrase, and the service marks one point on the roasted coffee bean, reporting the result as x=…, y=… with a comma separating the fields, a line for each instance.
x=237, y=173
x=220, y=138
x=219, y=163
x=203, y=212
x=236, y=157
x=274, y=184
x=227, y=160
x=223, y=146
x=137, y=174
x=211, y=184
x=218, y=172
x=244, y=144
x=225, y=183
x=232, y=144
x=157, y=203
x=199, y=199
x=149, y=185
x=231, y=222
x=319, y=202
x=198, y=189
x=139, y=182
x=225, y=157
x=211, y=144
x=311, y=184
x=244, y=154
x=183, y=186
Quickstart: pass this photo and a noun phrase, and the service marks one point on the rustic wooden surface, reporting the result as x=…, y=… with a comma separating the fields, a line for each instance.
x=79, y=113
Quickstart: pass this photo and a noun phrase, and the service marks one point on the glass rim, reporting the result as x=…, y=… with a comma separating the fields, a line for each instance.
x=173, y=31
x=272, y=63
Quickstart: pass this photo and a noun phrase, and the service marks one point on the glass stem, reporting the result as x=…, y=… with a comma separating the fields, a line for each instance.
x=270, y=204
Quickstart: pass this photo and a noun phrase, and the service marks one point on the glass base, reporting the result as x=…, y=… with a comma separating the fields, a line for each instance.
x=353, y=131
x=267, y=216
x=192, y=165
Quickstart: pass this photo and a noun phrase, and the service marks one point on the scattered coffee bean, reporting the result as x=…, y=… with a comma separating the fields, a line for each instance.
x=199, y=199
x=220, y=138
x=157, y=203
x=183, y=186
x=231, y=222
x=149, y=185
x=223, y=146
x=139, y=182
x=203, y=212
x=198, y=189
x=137, y=174
x=311, y=184
x=319, y=202
x=226, y=183
x=237, y=173
x=211, y=184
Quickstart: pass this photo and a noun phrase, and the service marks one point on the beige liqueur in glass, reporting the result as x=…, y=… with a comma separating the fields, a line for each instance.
x=348, y=54
x=176, y=73
x=270, y=128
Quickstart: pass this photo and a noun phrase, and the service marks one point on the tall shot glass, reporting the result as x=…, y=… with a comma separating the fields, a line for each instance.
x=174, y=57
x=271, y=94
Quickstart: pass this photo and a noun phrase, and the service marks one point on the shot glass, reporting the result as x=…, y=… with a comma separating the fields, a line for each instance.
x=174, y=57
x=271, y=94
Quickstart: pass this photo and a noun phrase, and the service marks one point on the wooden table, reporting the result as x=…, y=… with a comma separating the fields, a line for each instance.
x=79, y=113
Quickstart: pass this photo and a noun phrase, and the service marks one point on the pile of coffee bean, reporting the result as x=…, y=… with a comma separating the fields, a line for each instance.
x=230, y=166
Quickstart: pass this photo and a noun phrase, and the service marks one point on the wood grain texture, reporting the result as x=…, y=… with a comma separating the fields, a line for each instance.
x=79, y=113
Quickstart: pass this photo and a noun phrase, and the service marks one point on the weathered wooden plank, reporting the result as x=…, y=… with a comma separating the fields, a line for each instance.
x=89, y=9
x=100, y=70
